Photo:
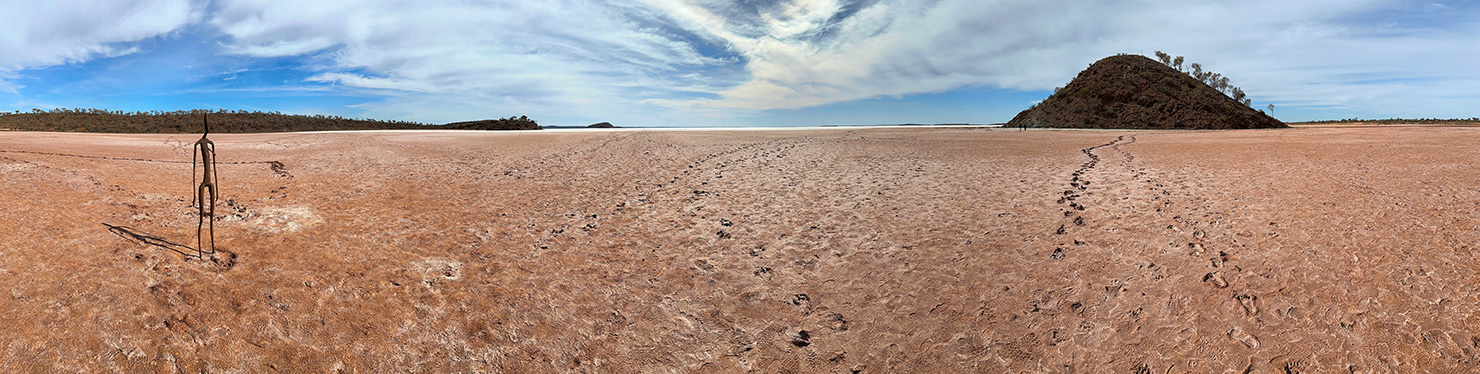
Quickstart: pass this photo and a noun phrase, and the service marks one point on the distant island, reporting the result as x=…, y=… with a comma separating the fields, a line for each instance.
x=598, y=125
x=224, y=121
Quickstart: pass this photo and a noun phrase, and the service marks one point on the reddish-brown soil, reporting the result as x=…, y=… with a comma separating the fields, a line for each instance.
x=844, y=250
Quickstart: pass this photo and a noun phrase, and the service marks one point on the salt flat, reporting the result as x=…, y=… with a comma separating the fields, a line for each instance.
x=818, y=250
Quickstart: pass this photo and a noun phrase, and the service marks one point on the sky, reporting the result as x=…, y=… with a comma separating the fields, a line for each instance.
x=721, y=63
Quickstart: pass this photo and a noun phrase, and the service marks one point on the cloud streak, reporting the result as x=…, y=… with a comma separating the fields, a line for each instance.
x=507, y=56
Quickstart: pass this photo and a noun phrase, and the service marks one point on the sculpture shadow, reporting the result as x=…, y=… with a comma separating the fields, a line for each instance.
x=135, y=235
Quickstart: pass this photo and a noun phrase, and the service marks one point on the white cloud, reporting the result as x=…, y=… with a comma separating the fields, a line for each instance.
x=486, y=58
x=6, y=86
x=35, y=34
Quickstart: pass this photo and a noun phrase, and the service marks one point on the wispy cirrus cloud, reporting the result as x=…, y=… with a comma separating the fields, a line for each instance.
x=501, y=57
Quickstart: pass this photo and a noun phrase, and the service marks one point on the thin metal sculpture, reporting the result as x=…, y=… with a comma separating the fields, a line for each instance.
x=206, y=194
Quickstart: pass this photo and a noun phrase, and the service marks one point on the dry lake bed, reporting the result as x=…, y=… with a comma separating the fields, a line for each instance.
x=830, y=250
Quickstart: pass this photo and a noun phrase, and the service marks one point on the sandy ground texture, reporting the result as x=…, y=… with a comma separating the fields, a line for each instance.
x=840, y=250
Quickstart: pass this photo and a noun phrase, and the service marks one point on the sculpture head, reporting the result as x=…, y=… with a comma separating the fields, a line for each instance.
x=204, y=120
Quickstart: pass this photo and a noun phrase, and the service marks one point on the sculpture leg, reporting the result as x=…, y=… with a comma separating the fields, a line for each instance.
x=204, y=212
x=200, y=215
x=211, y=218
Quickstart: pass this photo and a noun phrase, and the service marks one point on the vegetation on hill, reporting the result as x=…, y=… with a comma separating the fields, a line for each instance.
x=222, y=121
x=511, y=123
x=1135, y=92
x=602, y=125
x=1215, y=80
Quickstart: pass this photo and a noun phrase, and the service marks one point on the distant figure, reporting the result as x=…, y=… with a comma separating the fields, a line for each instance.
x=206, y=194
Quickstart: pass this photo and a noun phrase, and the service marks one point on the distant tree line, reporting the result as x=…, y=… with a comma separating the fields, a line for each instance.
x=222, y=121
x=511, y=123
x=1395, y=121
x=1215, y=80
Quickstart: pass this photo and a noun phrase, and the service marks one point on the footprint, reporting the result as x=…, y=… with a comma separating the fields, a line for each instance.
x=1295, y=367
x=1141, y=369
x=1243, y=337
x=1248, y=302
x=703, y=265
x=1197, y=249
x=836, y=322
x=802, y=339
x=800, y=299
x=1216, y=279
x=763, y=272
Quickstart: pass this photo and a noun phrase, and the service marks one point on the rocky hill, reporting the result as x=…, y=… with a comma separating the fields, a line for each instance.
x=1135, y=92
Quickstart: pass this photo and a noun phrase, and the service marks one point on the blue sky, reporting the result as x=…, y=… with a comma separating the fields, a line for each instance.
x=721, y=63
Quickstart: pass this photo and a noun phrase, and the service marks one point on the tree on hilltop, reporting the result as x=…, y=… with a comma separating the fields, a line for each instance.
x=1215, y=80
